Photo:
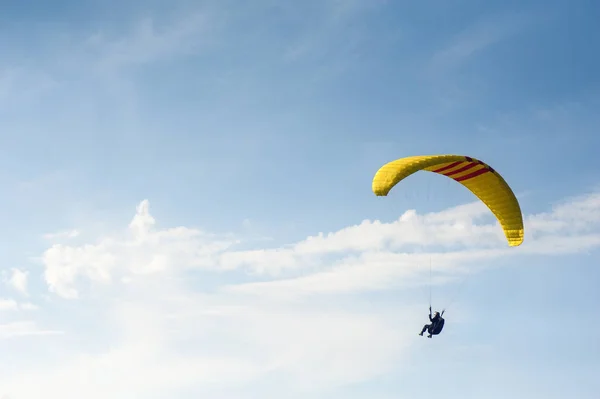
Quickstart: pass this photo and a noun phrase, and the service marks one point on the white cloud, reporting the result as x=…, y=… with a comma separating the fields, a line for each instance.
x=371, y=250
x=11, y=305
x=141, y=250
x=23, y=328
x=184, y=328
x=8, y=304
x=59, y=235
x=185, y=341
x=17, y=280
x=28, y=306
x=573, y=216
x=370, y=255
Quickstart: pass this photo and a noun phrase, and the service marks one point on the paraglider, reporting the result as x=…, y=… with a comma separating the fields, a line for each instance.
x=436, y=326
x=477, y=176
x=480, y=178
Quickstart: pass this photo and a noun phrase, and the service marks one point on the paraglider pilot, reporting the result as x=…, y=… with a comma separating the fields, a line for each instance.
x=437, y=323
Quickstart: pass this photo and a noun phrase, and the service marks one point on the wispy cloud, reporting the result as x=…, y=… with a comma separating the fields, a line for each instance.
x=453, y=89
x=334, y=39
x=22, y=85
x=106, y=53
x=22, y=329
x=477, y=38
x=149, y=41
x=60, y=235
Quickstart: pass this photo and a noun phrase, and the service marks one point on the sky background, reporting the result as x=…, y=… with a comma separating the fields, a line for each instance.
x=187, y=209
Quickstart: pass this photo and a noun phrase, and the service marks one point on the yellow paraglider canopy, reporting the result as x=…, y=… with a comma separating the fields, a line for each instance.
x=480, y=178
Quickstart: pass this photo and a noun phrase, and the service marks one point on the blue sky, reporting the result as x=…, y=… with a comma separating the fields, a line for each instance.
x=164, y=165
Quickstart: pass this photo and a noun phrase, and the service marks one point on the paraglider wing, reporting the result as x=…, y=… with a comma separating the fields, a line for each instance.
x=480, y=178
